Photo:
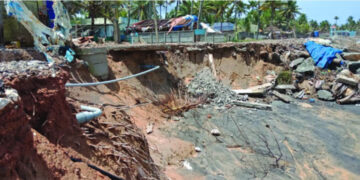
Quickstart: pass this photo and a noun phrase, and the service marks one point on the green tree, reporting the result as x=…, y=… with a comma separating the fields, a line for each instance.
x=289, y=11
x=302, y=25
x=273, y=6
x=239, y=8
x=351, y=24
x=324, y=26
x=314, y=25
x=336, y=19
x=142, y=10
x=113, y=10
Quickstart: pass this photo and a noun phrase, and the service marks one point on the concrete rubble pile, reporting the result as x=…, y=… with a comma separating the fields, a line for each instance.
x=301, y=79
x=204, y=84
x=341, y=82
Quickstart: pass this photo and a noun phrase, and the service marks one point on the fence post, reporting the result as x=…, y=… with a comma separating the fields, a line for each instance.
x=179, y=37
x=213, y=38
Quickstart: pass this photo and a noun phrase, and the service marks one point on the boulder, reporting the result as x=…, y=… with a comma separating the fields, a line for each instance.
x=296, y=62
x=307, y=66
x=354, y=67
x=325, y=95
x=352, y=56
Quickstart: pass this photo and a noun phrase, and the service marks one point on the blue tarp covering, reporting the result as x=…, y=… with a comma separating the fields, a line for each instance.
x=322, y=55
x=193, y=19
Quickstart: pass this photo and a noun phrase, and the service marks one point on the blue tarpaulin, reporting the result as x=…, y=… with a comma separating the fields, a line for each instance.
x=322, y=55
x=192, y=19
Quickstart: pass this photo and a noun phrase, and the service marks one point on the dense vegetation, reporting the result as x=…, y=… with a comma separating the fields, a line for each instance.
x=283, y=15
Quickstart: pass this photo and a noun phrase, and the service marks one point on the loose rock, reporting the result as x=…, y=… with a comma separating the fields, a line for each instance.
x=325, y=95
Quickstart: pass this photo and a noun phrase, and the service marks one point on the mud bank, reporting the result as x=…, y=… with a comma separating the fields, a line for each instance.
x=41, y=134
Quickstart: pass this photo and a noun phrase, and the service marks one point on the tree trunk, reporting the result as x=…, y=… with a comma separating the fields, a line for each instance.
x=221, y=22
x=199, y=15
x=160, y=11
x=116, y=30
x=191, y=8
x=1, y=26
x=105, y=26
x=236, y=20
x=92, y=25
x=294, y=31
x=166, y=5
x=258, y=23
x=155, y=21
x=177, y=8
x=129, y=13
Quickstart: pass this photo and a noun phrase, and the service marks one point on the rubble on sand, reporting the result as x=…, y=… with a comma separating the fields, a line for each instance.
x=304, y=78
x=204, y=84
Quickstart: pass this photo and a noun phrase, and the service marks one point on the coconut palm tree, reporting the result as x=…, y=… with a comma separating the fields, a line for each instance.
x=239, y=8
x=272, y=6
x=336, y=18
x=199, y=15
x=142, y=9
x=290, y=10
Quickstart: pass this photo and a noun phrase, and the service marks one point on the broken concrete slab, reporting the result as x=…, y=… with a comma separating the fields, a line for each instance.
x=255, y=90
x=346, y=80
x=282, y=97
x=296, y=62
x=319, y=83
x=352, y=56
x=285, y=87
x=253, y=105
x=307, y=66
x=325, y=95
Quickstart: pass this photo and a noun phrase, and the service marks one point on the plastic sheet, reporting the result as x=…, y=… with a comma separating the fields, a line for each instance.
x=43, y=36
x=322, y=55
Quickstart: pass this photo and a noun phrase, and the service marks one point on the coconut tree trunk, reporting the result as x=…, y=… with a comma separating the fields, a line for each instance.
x=294, y=31
x=177, y=8
x=191, y=8
x=115, y=22
x=258, y=20
x=199, y=15
x=166, y=6
x=92, y=25
x=160, y=11
x=105, y=26
x=1, y=27
x=129, y=13
x=155, y=21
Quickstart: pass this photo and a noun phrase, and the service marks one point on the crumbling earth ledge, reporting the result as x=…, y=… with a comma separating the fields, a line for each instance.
x=47, y=128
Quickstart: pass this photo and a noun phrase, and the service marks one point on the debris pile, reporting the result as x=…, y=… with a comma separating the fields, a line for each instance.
x=340, y=82
x=332, y=76
x=204, y=84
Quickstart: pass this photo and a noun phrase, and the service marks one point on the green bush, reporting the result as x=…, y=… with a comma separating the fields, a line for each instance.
x=284, y=77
